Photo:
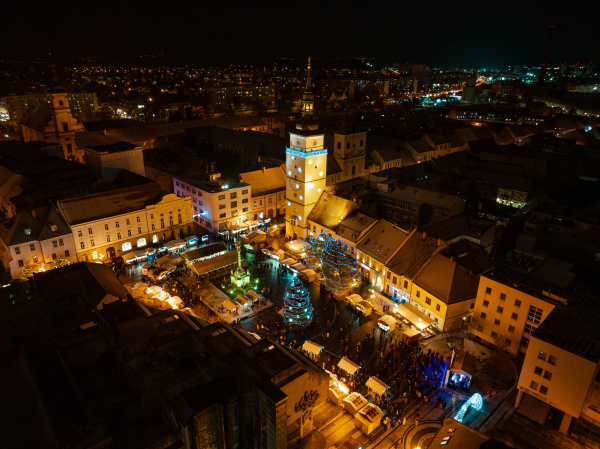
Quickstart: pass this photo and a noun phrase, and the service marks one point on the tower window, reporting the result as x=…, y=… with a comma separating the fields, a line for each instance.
x=339, y=145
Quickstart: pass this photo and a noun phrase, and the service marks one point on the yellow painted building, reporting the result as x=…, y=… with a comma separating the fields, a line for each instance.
x=113, y=223
x=445, y=291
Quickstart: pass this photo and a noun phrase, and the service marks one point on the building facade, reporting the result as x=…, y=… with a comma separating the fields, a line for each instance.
x=217, y=204
x=109, y=224
x=305, y=168
x=505, y=315
x=35, y=240
x=54, y=123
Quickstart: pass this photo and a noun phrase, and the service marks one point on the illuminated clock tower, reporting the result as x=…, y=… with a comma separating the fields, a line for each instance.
x=305, y=168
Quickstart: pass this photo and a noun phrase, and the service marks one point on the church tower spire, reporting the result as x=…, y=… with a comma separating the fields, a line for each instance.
x=308, y=98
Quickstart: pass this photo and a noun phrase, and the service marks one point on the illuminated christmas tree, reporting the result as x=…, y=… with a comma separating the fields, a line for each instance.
x=339, y=267
x=297, y=308
x=314, y=249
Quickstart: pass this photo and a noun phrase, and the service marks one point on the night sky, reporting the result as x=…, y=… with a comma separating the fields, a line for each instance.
x=462, y=33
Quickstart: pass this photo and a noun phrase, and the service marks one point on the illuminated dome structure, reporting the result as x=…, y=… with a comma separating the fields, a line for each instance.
x=314, y=250
x=339, y=267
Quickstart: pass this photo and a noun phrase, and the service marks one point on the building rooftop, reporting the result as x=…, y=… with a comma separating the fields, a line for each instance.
x=265, y=181
x=447, y=280
x=330, y=210
x=422, y=196
x=108, y=204
x=354, y=224
x=414, y=253
x=201, y=181
x=458, y=226
x=574, y=329
x=204, y=251
x=472, y=256
x=116, y=147
x=39, y=224
x=382, y=241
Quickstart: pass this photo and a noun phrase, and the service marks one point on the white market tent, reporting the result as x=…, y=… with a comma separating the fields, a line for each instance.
x=348, y=366
x=354, y=298
x=289, y=261
x=312, y=347
x=129, y=256
x=175, y=301
x=388, y=321
x=298, y=267
x=377, y=385
x=414, y=316
x=296, y=246
x=308, y=274
x=154, y=290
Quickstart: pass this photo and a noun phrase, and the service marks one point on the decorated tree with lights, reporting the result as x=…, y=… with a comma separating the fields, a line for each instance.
x=339, y=267
x=314, y=249
x=297, y=308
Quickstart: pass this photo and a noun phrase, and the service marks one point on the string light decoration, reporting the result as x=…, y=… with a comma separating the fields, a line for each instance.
x=297, y=308
x=339, y=267
x=475, y=401
x=314, y=249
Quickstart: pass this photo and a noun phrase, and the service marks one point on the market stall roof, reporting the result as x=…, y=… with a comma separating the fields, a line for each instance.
x=354, y=298
x=190, y=237
x=298, y=267
x=411, y=332
x=154, y=290
x=214, y=263
x=389, y=320
x=414, y=315
x=309, y=272
x=377, y=385
x=204, y=251
x=289, y=261
x=175, y=243
x=169, y=258
x=296, y=245
x=311, y=347
x=242, y=301
x=256, y=234
x=371, y=412
x=128, y=256
x=139, y=253
x=366, y=304
x=229, y=305
x=464, y=362
x=252, y=295
x=347, y=365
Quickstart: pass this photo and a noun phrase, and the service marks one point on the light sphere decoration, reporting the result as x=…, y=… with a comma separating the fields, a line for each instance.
x=314, y=249
x=297, y=308
x=339, y=267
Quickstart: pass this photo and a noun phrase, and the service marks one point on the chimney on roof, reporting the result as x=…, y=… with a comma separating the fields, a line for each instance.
x=424, y=235
x=258, y=158
x=263, y=168
x=33, y=213
x=451, y=258
x=440, y=243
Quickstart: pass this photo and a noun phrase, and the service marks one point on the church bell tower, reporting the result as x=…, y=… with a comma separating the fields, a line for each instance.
x=306, y=167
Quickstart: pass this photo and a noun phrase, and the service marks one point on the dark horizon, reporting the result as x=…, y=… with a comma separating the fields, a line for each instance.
x=471, y=34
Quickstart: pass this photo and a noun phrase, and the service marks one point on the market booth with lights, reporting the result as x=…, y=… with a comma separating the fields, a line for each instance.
x=411, y=316
x=378, y=387
x=463, y=367
x=313, y=349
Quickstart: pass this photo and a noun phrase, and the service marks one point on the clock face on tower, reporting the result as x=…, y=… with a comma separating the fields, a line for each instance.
x=297, y=142
x=314, y=143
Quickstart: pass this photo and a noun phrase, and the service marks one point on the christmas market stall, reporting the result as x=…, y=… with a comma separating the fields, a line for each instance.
x=387, y=323
x=368, y=418
x=308, y=275
x=348, y=366
x=243, y=302
x=414, y=317
x=460, y=375
x=231, y=307
x=273, y=253
x=354, y=402
x=378, y=387
x=337, y=392
x=288, y=262
x=313, y=349
x=296, y=246
x=297, y=267
x=253, y=296
x=411, y=336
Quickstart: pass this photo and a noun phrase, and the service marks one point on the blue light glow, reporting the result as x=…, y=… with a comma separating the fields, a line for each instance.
x=305, y=153
x=475, y=401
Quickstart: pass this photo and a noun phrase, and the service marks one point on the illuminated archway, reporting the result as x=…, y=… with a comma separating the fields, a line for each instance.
x=141, y=242
x=475, y=401
x=126, y=246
